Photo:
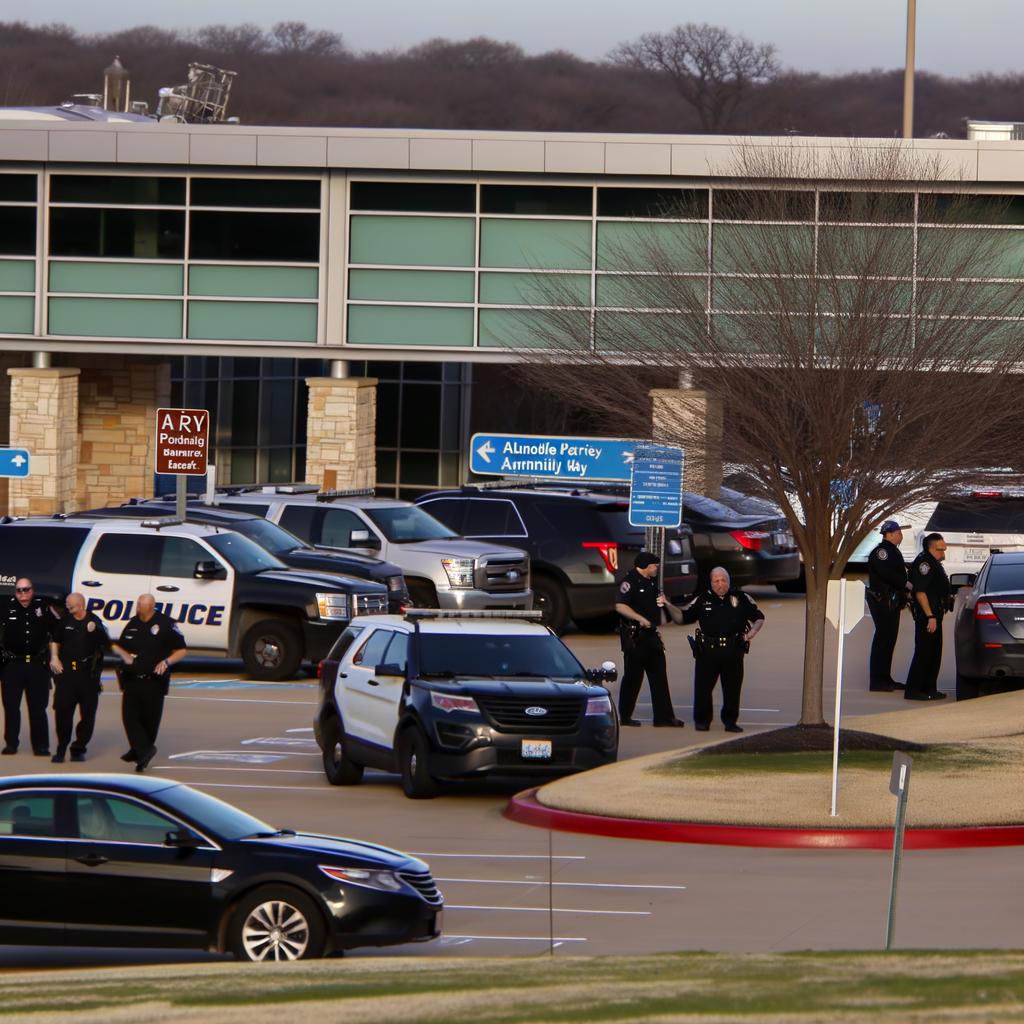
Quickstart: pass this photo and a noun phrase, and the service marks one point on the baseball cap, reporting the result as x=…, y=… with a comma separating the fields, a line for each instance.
x=644, y=559
x=890, y=526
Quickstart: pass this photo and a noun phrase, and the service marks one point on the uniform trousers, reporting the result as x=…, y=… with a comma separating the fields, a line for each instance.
x=725, y=663
x=886, y=617
x=31, y=678
x=75, y=688
x=924, y=669
x=648, y=656
x=142, y=707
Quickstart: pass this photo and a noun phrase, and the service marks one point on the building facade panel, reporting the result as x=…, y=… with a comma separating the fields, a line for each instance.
x=345, y=151
x=84, y=146
x=441, y=154
x=291, y=151
x=135, y=147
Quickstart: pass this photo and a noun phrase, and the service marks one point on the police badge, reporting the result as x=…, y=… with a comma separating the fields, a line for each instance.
x=155, y=628
x=882, y=554
x=624, y=589
x=735, y=601
x=925, y=568
x=90, y=626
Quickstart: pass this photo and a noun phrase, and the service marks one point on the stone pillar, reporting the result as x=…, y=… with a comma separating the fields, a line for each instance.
x=341, y=432
x=694, y=420
x=44, y=419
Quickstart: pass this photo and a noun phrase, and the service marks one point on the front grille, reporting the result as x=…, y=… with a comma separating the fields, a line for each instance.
x=508, y=714
x=513, y=757
x=496, y=575
x=422, y=882
x=371, y=604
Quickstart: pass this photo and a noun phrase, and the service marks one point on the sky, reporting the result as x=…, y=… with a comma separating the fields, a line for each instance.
x=953, y=38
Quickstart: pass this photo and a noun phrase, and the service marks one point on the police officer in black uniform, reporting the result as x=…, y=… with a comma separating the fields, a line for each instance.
x=728, y=619
x=640, y=604
x=76, y=661
x=149, y=645
x=27, y=624
x=931, y=601
x=888, y=589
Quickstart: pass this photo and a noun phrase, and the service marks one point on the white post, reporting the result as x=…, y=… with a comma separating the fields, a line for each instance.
x=839, y=693
x=211, y=484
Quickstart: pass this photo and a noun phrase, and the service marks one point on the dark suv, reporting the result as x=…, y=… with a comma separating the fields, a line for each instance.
x=580, y=545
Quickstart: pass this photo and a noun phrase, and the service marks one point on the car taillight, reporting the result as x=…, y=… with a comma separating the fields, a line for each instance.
x=609, y=552
x=983, y=610
x=319, y=669
x=750, y=539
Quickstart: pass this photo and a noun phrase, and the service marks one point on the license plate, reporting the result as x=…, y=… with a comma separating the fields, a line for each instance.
x=975, y=554
x=536, y=748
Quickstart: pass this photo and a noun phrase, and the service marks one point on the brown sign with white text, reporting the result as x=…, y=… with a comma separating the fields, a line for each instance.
x=182, y=441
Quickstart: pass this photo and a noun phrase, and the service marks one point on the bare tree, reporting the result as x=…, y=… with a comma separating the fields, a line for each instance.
x=861, y=362
x=709, y=67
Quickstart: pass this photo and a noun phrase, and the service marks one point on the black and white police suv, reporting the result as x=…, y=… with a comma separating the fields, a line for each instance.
x=446, y=695
x=230, y=596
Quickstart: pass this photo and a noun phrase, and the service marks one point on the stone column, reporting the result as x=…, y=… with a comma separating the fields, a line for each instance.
x=44, y=419
x=341, y=432
x=694, y=420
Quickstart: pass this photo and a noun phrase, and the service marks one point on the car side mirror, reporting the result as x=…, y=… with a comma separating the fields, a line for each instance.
x=363, y=539
x=210, y=571
x=391, y=669
x=962, y=579
x=183, y=840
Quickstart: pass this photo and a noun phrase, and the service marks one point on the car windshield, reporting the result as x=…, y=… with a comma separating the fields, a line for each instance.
x=243, y=554
x=1004, y=577
x=448, y=654
x=207, y=811
x=269, y=535
x=407, y=524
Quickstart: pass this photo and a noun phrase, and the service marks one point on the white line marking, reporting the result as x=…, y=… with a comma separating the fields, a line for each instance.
x=246, y=785
x=237, y=700
x=307, y=728
x=218, y=768
x=587, y=885
x=549, y=910
x=243, y=753
x=500, y=856
x=512, y=938
x=647, y=704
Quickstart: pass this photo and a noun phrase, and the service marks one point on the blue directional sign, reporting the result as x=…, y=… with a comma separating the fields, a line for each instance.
x=532, y=455
x=14, y=462
x=656, y=495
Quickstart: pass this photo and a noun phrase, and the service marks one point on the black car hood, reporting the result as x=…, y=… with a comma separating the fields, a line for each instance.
x=325, y=581
x=342, y=852
x=333, y=561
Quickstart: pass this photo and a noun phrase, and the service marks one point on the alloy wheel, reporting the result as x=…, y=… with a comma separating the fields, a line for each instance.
x=275, y=931
x=267, y=652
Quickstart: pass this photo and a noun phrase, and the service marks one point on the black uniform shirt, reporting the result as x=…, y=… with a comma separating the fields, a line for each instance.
x=886, y=565
x=27, y=630
x=80, y=640
x=930, y=578
x=640, y=594
x=150, y=642
x=723, y=616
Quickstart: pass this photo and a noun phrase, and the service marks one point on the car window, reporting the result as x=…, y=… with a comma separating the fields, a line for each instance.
x=405, y=525
x=244, y=506
x=680, y=546
x=179, y=557
x=269, y=535
x=492, y=517
x=372, y=653
x=300, y=520
x=339, y=524
x=243, y=554
x=27, y=814
x=344, y=642
x=450, y=511
x=113, y=819
x=129, y=554
x=575, y=520
x=480, y=655
x=398, y=651
x=1003, y=577
x=39, y=550
x=220, y=818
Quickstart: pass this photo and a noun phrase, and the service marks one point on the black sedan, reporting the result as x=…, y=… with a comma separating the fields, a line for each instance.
x=119, y=860
x=989, y=628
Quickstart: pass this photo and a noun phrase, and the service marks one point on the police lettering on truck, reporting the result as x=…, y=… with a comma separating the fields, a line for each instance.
x=122, y=611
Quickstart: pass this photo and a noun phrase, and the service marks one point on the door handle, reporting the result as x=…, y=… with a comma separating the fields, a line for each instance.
x=373, y=682
x=343, y=675
x=167, y=590
x=92, y=860
x=91, y=583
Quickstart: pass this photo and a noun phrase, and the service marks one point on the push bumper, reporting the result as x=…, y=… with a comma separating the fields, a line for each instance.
x=474, y=600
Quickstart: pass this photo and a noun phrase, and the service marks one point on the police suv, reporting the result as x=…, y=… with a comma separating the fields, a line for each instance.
x=230, y=596
x=460, y=695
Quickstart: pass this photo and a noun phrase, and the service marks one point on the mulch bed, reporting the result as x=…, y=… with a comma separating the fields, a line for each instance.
x=796, y=739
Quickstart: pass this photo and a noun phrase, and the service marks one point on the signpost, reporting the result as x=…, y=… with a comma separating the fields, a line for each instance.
x=14, y=462
x=557, y=458
x=656, y=492
x=182, y=447
x=899, y=786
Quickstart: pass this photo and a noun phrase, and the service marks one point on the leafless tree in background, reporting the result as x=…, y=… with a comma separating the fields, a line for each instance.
x=851, y=388
x=711, y=69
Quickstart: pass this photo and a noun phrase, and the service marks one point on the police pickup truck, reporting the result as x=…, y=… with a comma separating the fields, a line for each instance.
x=230, y=596
x=460, y=695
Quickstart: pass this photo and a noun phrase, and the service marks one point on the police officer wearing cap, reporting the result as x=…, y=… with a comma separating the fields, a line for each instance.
x=27, y=623
x=76, y=661
x=149, y=645
x=931, y=601
x=888, y=589
x=640, y=604
x=729, y=619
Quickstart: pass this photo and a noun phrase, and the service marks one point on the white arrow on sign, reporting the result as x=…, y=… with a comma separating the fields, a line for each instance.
x=486, y=450
x=19, y=460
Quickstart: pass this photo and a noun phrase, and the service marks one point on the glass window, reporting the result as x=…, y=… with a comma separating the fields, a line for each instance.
x=244, y=506
x=17, y=188
x=408, y=524
x=269, y=535
x=27, y=814
x=627, y=246
x=300, y=520
x=538, y=244
x=410, y=325
x=180, y=556
x=413, y=241
x=1004, y=578
x=539, y=200
x=116, y=820
x=575, y=519
x=372, y=653
x=270, y=237
x=344, y=642
x=398, y=651
x=956, y=208
x=339, y=525
x=18, y=230
x=413, y=197
x=243, y=555
x=878, y=207
x=267, y=192
x=410, y=285
x=450, y=511
x=210, y=813
x=117, y=190
x=143, y=234
x=684, y=203
x=128, y=554
x=44, y=549
x=446, y=654
x=491, y=517
x=762, y=204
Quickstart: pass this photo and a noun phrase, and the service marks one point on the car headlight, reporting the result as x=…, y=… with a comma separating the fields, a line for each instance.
x=368, y=877
x=332, y=606
x=599, y=706
x=447, y=703
x=459, y=570
x=396, y=584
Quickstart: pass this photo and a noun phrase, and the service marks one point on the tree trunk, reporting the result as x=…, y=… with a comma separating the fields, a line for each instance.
x=814, y=648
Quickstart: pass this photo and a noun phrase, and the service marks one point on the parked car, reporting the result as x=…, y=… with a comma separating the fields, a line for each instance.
x=125, y=860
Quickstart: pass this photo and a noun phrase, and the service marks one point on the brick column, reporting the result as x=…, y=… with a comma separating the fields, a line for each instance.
x=44, y=419
x=694, y=420
x=341, y=432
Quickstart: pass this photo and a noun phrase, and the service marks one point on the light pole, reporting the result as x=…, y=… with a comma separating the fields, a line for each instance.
x=908, y=72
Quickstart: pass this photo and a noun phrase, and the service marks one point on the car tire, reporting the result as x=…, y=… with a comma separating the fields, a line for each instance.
x=795, y=586
x=275, y=923
x=967, y=687
x=549, y=598
x=599, y=625
x=272, y=651
x=340, y=771
x=413, y=760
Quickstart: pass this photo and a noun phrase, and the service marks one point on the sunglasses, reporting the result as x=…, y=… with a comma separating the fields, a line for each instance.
x=23, y=590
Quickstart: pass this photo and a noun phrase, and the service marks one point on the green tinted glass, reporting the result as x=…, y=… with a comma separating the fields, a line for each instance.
x=17, y=275
x=409, y=325
x=116, y=318
x=544, y=244
x=17, y=314
x=263, y=282
x=682, y=248
x=410, y=285
x=778, y=248
x=118, y=278
x=965, y=252
x=414, y=241
x=535, y=289
x=514, y=328
x=253, y=321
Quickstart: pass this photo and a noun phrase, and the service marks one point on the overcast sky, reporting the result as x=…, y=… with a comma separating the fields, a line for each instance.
x=954, y=38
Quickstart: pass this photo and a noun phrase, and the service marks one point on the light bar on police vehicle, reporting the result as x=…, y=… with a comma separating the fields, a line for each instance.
x=414, y=614
x=156, y=524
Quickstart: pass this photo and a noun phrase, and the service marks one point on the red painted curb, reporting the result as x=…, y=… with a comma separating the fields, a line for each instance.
x=527, y=810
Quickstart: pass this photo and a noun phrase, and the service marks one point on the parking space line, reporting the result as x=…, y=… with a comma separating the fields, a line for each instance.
x=501, y=856
x=513, y=938
x=584, y=885
x=246, y=785
x=235, y=700
x=551, y=910
x=218, y=768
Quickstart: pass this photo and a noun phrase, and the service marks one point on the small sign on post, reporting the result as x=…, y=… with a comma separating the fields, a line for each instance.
x=14, y=462
x=182, y=447
x=899, y=786
x=656, y=489
x=844, y=608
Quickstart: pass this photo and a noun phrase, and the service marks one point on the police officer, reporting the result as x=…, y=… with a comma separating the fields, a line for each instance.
x=931, y=602
x=888, y=589
x=76, y=661
x=640, y=604
x=149, y=645
x=729, y=619
x=27, y=623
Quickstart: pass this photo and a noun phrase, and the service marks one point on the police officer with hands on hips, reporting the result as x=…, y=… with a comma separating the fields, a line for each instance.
x=729, y=619
x=149, y=645
x=888, y=589
x=27, y=623
x=640, y=604
x=931, y=602
x=76, y=661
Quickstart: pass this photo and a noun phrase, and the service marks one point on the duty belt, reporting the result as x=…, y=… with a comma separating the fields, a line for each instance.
x=719, y=641
x=29, y=658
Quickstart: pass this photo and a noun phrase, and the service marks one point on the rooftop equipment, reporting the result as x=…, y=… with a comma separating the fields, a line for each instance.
x=994, y=131
x=116, y=86
x=203, y=100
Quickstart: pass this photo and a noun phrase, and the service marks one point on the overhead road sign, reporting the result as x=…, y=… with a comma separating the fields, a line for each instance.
x=182, y=441
x=537, y=455
x=656, y=492
x=14, y=462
